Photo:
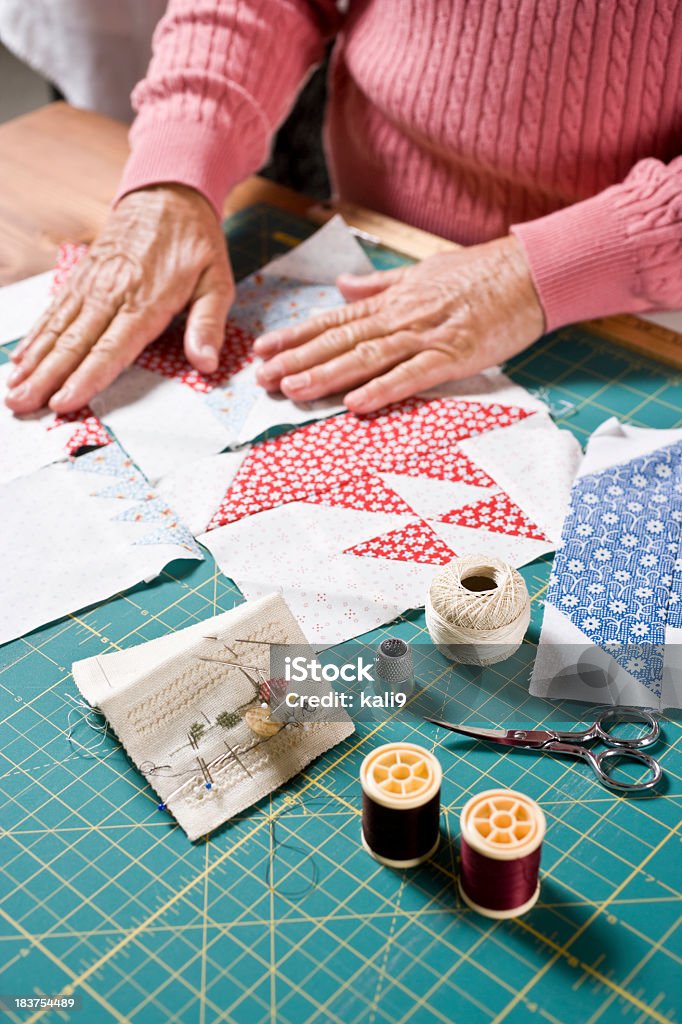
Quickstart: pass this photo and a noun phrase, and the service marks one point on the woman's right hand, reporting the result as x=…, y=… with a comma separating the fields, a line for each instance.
x=161, y=250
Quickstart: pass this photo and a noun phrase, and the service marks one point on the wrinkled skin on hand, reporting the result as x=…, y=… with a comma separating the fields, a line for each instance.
x=406, y=330
x=161, y=249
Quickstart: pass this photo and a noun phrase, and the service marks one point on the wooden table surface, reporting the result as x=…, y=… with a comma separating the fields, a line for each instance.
x=59, y=168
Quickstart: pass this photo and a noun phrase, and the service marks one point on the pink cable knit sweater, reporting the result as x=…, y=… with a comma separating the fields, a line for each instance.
x=561, y=119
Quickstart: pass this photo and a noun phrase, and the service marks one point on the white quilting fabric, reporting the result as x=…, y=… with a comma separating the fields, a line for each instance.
x=174, y=712
x=77, y=532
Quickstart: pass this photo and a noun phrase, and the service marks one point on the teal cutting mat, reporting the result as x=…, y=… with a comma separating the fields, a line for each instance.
x=281, y=916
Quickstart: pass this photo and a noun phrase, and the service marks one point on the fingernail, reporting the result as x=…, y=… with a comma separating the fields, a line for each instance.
x=269, y=338
x=63, y=395
x=298, y=382
x=268, y=371
x=268, y=343
x=19, y=392
x=14, y=376
x=357, y=400
x=210, y=358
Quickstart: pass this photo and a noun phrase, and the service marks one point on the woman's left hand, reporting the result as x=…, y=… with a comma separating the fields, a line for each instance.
x=406, y=330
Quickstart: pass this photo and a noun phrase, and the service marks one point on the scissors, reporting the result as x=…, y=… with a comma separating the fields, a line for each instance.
x=575, y=744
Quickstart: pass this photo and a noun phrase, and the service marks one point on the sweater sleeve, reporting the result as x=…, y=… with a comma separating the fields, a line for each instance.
x=222, y=77
x=617, y=252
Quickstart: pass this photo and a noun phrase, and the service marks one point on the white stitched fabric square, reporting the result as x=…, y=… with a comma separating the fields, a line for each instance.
x=188, y=724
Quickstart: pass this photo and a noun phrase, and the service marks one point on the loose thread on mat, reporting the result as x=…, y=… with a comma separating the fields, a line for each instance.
x=279, y=845
x=85, y=713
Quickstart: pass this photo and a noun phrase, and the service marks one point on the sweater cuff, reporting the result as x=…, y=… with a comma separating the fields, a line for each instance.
x=581, y=262
x=181, y=152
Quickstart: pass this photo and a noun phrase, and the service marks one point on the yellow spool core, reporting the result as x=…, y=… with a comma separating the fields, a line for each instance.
x=502, y=824
x=400, y=775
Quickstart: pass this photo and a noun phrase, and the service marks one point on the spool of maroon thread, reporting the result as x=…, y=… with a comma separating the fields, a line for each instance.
x=501, y=841
x=400, y=804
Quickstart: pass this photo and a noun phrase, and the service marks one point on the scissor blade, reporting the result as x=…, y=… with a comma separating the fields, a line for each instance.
x=507, y=737
x=489, y=734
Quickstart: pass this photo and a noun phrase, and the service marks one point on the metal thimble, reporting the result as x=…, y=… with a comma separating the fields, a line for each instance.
x=393, y=665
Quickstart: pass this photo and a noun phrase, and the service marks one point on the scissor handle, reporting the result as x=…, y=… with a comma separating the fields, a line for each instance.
x=611, y=716
x=625, y=753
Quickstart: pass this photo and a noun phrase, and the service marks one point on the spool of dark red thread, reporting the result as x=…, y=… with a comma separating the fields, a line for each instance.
x=501, y=841
x=400, y=804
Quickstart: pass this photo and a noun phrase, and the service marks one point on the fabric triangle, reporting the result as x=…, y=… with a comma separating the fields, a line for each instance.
x=88, y=431
x=174, y=533
x=133, y=487
x=233, y=403
x=266, y=303
x=320, y=462
x=293, y=467
x=438, y=464
x=166, y=356
x=438, y=422
x=365, y=492
x=498, y=514
x=265, y=480
x=331, y=251
x=471, y=541
x=152, y=510
x=88, y=434
x=431, y=498
x=168, y=528
x=415, y=542
x=110, y=461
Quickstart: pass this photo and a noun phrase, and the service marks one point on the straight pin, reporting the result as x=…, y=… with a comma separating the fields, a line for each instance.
x=238, y=759
x=266, y=643
x=208, y=778
x=225, y=644
x=223, y=661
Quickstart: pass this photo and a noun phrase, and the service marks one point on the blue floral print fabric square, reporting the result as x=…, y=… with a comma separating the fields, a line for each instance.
x=618, y=573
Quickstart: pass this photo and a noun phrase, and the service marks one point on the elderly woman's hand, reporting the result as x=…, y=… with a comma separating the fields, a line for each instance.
x=407, y=330
x=161, y=249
